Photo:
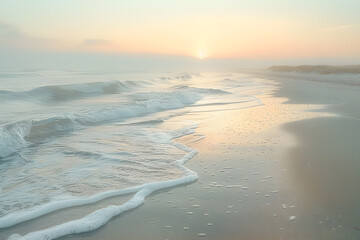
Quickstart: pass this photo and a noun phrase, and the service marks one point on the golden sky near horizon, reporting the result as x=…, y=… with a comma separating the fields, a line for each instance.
x=198, y=28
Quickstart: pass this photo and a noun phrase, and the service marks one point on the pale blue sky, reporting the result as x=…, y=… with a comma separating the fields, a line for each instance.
x=33, y=13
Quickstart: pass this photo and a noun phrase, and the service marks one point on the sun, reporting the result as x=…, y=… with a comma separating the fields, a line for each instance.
x=201, y=54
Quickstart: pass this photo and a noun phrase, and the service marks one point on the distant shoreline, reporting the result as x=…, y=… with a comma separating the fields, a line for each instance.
x=320, y=69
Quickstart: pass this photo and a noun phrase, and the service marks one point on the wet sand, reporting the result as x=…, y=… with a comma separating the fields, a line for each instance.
x=285, y=170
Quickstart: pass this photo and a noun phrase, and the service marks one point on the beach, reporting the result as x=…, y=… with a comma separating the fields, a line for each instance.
x=172, y=120
x=286, y=169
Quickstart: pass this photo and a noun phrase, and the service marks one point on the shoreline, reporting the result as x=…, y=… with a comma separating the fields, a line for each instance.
x=245, y=182
x=251, y=174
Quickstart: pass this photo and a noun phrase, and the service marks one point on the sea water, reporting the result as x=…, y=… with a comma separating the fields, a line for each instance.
x=72, y=138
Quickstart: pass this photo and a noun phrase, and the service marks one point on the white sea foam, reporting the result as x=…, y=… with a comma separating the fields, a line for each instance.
x=100, y=217
x=156, y=103
x=12, y=137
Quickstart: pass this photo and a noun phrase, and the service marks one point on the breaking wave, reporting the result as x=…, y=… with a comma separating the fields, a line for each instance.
x=72, y=91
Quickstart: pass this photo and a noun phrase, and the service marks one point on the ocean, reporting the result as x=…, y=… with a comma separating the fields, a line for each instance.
x=70, y=138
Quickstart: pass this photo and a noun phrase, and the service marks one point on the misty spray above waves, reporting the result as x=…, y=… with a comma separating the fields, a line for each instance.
x=74, y=138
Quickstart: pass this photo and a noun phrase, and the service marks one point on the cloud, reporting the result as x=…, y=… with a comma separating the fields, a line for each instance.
x=341, y=27
x=95, y=45
x=13, y=37
x=95, y=41
x=9, y=32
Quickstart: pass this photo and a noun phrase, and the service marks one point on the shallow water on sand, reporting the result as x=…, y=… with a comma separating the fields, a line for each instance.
x=74, y=138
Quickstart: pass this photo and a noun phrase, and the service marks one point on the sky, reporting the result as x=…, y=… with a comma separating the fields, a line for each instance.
x=202, y=29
